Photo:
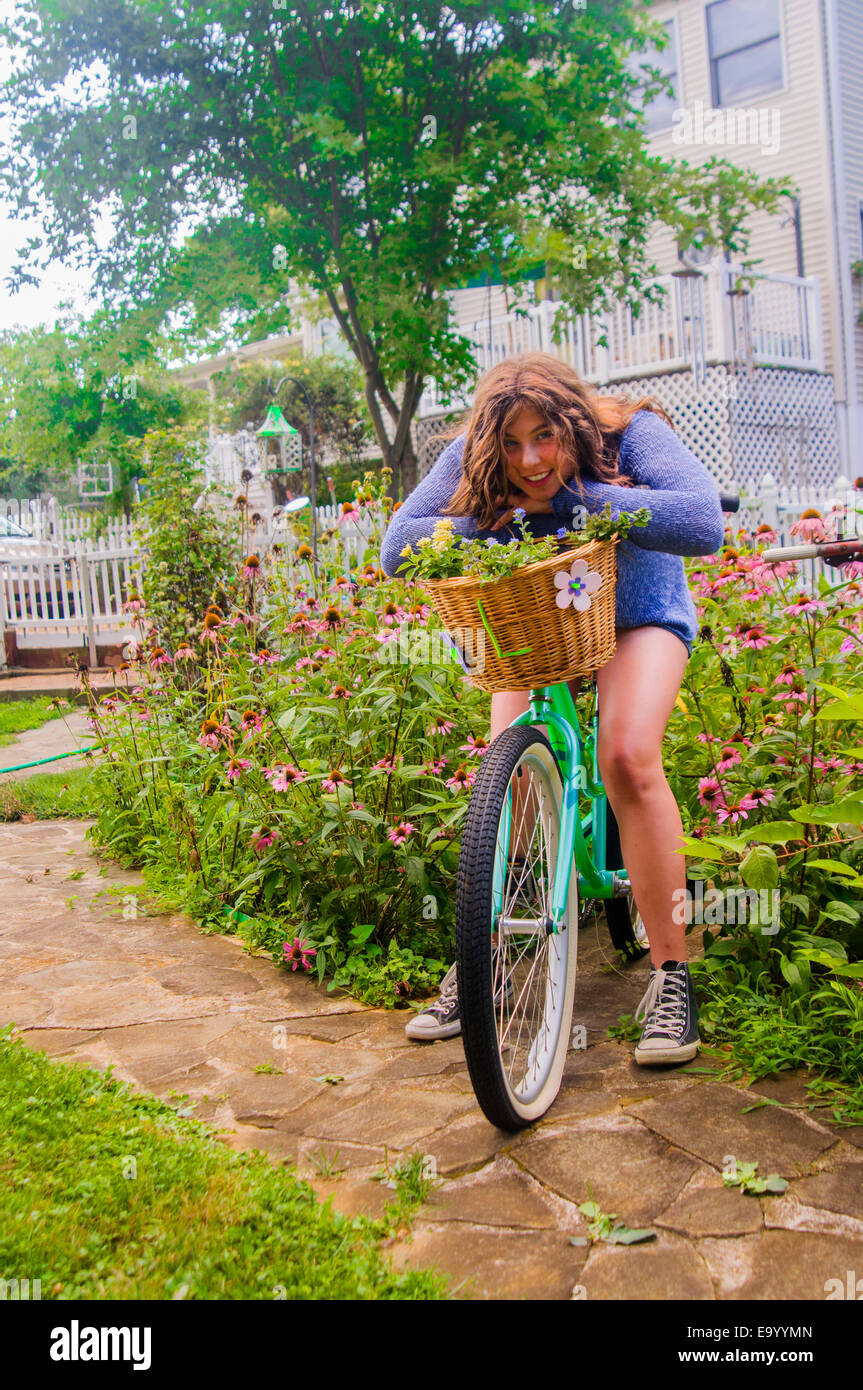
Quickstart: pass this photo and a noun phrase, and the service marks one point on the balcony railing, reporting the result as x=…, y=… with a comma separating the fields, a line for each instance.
x=777, y=323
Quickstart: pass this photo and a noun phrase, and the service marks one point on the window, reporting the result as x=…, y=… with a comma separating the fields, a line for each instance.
x=659, y=112
x=745, y=49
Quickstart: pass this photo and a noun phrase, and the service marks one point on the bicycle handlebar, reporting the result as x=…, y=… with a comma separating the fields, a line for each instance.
x=729, y=501
x=832, y=552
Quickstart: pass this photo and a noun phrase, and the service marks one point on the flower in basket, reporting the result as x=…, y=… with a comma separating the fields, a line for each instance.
x=576, y=585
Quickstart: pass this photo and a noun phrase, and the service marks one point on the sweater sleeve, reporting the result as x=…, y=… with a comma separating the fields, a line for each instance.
x=682, y=497
x=416, y=517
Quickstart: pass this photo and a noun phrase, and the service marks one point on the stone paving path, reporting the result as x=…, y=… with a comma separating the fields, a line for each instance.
x=55, y=736
x=180, y=1013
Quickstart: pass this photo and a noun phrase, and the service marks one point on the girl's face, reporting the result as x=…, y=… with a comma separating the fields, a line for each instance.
x=531, y=454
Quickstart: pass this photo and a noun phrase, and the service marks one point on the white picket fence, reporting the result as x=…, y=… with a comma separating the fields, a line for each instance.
x=70, y=600
x=73, y=595
x=51, y=523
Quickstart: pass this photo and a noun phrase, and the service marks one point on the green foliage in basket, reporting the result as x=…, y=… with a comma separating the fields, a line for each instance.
x=447, y=555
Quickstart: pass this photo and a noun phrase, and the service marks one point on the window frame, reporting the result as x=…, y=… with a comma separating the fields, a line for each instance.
x=711, y=61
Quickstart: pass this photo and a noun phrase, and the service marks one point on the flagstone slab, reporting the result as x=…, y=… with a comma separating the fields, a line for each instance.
x=23, y=1007
x=706, y=1120
x=630, y=1171
x=465, y=1143
x=400, y=1115
x=360, y=1198
x=329, y=1027
x=783, y=1265
x=492, y=1198
x=840, y=1190
x=264, y=1100
x=667, y=1268
x=712, y=1211
x=484, y=1264
x=58, y=1042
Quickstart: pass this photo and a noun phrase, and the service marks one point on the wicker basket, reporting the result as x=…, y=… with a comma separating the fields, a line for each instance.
x=526, y=640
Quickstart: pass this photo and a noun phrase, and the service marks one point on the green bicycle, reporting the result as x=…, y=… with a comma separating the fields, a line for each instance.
x=517, y=902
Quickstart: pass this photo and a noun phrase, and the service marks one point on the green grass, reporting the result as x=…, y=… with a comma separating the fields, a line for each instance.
x=47, y=795
x=16, y=716
x=108, y=1194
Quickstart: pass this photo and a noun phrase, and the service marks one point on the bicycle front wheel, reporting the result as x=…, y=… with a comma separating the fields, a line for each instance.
x=515, y=978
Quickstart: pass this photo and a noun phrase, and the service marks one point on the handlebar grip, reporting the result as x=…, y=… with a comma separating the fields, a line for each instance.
x=729, y=501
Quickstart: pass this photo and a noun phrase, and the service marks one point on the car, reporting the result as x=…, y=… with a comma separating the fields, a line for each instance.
x=32, y=584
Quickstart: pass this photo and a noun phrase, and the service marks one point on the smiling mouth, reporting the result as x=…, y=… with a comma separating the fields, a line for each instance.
x=538, y=479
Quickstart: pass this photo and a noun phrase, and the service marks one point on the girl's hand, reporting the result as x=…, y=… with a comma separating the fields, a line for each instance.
x=534, y=506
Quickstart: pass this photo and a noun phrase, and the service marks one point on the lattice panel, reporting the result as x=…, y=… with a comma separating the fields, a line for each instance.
x=778, y=420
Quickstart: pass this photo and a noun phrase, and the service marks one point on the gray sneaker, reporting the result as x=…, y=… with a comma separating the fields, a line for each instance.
x=670, y=1016
x=442, y=1018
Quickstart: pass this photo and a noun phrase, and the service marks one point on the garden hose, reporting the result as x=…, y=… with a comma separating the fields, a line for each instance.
x=75, y=753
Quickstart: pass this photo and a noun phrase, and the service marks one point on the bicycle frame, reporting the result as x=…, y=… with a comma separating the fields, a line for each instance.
x=553, y=706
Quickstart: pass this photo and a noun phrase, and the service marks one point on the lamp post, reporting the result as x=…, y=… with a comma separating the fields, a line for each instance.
x=289, y=429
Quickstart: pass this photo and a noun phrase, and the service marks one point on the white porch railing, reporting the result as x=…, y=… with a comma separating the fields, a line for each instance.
x=777, y=323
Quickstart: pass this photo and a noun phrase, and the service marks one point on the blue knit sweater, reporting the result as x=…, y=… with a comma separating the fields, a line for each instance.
x=686, y=519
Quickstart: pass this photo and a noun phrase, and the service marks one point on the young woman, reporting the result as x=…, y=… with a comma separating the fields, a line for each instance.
x=540, y=439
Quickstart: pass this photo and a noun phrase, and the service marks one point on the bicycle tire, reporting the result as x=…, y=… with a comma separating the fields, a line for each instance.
x=542, y=983
x=621, y=914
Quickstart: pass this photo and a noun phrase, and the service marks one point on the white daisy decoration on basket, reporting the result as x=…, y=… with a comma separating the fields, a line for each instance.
x=576, y=585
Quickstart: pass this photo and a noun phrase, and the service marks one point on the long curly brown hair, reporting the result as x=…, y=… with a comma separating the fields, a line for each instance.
x=588, y=427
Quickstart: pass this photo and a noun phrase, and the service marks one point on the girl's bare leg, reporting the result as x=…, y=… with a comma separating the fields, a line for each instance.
x=637, y=691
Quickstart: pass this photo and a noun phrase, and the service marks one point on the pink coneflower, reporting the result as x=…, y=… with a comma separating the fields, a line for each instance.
x=341, y=692
x=144, y=714
x=853, y=569
x=134, y=603
x=805, y=605
x=300, y=623
x=797, y=695
x=159, y=657
x=833, y=764
x=263, y=838
x=283, y=776
x=710, y=792
x=850, y=644
x=334, y=780
x=265, y=657
x=728, y=758
x=478, y=745
x=358, y=805
x=759, y=796
x=393, y=615
x=349, y=513
x=442, y=727
x=705, y=738
x=766, y=535
x=400, y=833
x=810, y=527
x=299, y=954
x=251, y=722
x=109, y=703
x=184, y=653
x=236, y=767
x=433, y=769
x=754, y=637
x=733, y=812
x=305, y=661
x=212, y=733
x=788, y=674
x=419, y=613
x=460, y=779
x=384, y=765
x=252, y=567
x=778, y=569
x=323, y=654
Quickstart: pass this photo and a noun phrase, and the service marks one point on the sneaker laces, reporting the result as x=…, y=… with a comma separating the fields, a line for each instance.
x=664, y=1003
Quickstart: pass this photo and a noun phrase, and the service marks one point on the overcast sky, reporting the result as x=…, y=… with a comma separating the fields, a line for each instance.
x=34, y=304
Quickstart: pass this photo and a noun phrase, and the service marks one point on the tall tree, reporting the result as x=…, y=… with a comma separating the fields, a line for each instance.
x=372, y=153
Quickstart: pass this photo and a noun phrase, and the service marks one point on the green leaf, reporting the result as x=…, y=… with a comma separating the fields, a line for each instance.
x=623, y=1235
x=425, y=684
x=777, y=832
x=760, y=868
x=833, y=866
x=849, y=811
x=705, y=849
x=841, y=912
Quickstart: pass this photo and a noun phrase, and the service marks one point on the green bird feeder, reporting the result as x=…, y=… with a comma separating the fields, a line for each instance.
x=280, y=446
